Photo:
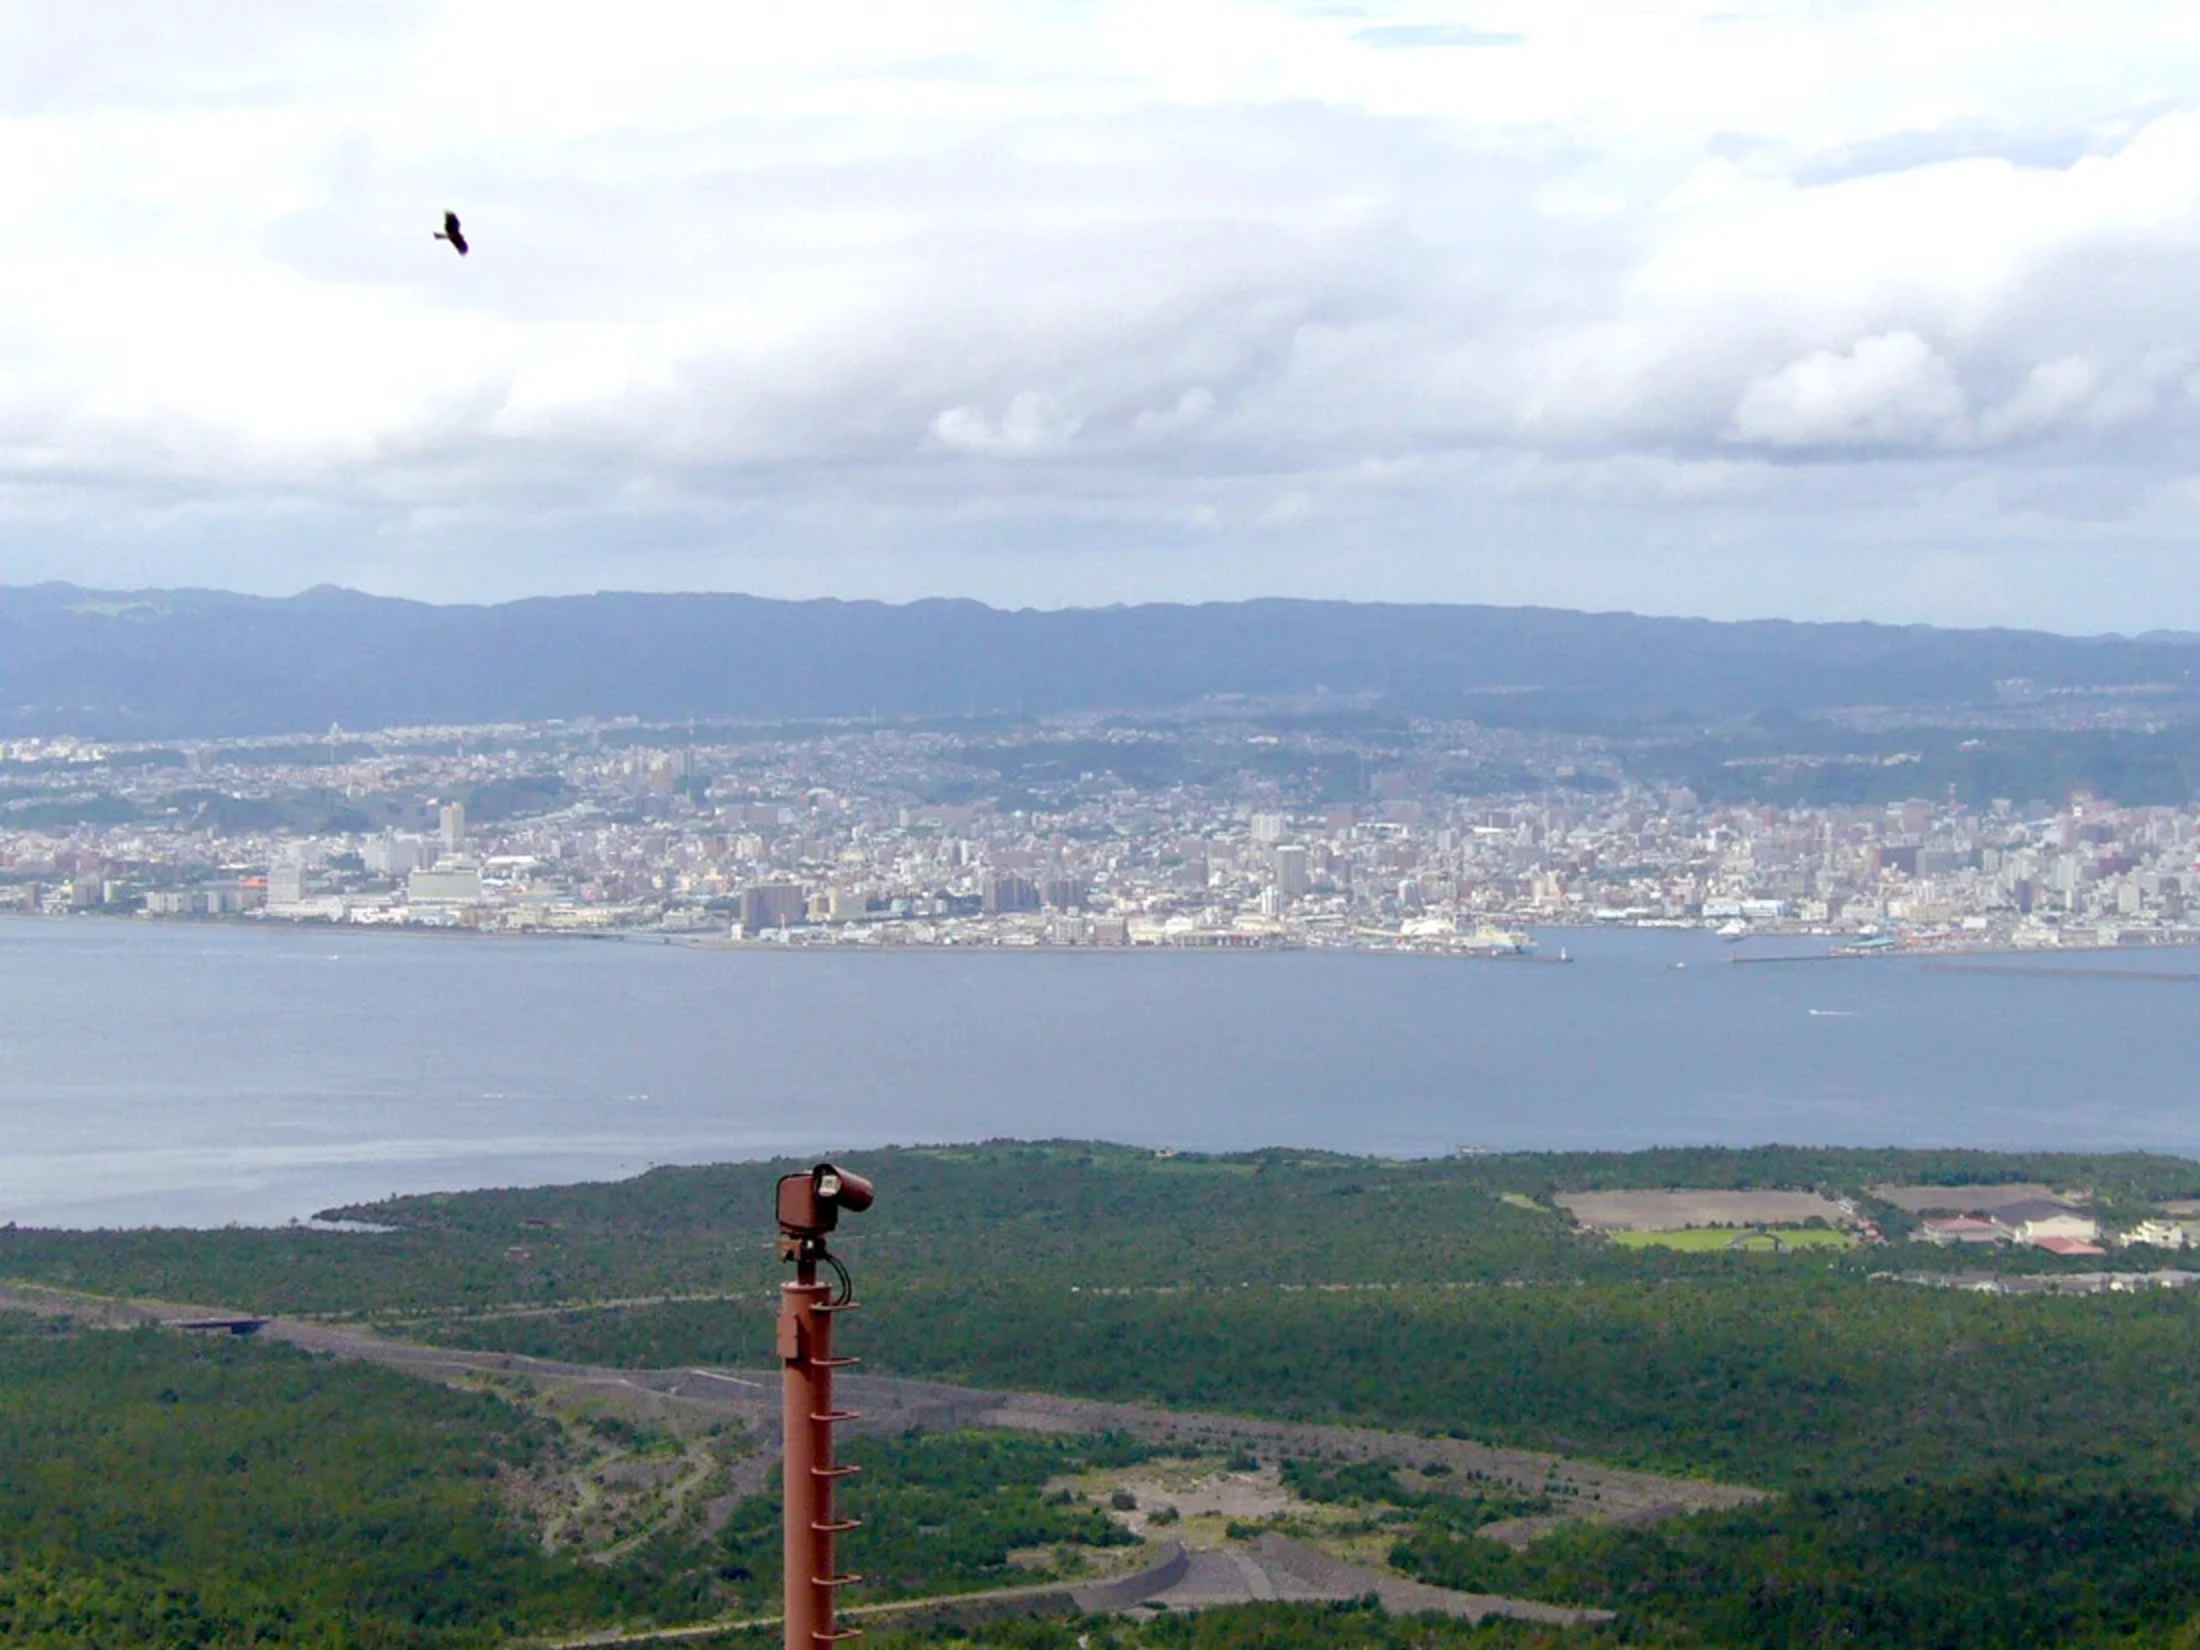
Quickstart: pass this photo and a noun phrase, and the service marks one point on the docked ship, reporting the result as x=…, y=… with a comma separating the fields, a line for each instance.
x=1870, y=945
x=1488, y=941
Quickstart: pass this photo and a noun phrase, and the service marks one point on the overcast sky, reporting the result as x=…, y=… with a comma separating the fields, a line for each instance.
x=1831, y=308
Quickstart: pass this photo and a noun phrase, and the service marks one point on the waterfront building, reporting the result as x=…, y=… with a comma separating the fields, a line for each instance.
x=1001, y=892
x=449, y=882
x=286, y=882
x=769, y=905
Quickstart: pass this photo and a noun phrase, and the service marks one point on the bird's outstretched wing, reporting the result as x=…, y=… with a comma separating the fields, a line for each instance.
x=453, y=234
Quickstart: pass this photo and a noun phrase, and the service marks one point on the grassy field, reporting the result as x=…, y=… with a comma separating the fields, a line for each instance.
x=1710, y=1239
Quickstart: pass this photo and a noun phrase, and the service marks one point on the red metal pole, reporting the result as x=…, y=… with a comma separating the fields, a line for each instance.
x=807, y=1419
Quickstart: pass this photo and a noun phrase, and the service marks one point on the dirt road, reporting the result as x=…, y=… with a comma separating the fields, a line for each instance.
x=1584, y=1489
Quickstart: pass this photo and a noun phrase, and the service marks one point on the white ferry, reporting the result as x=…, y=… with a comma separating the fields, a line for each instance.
x=1498, y=942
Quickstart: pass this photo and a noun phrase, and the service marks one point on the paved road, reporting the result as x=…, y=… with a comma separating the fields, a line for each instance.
x=1275, y=1567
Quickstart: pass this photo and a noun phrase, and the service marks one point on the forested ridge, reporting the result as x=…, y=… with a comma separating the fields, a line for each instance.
x=173, y=663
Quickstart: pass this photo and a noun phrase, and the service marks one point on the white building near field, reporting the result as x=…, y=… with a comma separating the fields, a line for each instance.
x=2158, y=1234
x=2036, y=1218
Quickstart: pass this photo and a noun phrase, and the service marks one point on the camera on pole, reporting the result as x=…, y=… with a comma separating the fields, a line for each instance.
x=809, y=1206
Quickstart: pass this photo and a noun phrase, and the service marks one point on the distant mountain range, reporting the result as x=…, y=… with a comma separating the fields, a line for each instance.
x=166, y=664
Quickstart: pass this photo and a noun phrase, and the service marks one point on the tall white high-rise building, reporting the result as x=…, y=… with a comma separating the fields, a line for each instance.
x=391, y=855
x=286, y=881
x=454, y=827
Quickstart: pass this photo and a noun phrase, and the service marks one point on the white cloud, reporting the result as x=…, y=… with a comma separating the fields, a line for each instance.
x=1890, y=390
x=1193, y=407
x=1137, y=297
x=2052, y=393
x=1034, y=422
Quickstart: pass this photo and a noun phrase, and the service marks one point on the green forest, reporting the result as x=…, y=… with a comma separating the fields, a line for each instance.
x=1780, y=1381
x=1992, y=1562
x=944, y=1513
x=164, y=1491
x=1058, y=1213
x=1952, y=1467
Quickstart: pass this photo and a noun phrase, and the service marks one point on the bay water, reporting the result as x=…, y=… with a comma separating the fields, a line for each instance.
x=202, y=1075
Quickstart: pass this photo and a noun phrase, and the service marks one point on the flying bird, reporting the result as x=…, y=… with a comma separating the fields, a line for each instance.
x=452, y=233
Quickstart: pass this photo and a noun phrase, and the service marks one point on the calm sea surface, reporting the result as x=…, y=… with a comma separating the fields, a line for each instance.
x=204, y=1075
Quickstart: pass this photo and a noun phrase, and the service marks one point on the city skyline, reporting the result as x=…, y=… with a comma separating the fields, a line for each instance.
x=1216, y=833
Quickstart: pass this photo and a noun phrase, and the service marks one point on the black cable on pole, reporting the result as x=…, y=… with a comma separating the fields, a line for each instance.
x=847, y=1284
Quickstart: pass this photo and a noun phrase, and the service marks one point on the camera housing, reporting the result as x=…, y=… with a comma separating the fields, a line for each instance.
x=810, y=1203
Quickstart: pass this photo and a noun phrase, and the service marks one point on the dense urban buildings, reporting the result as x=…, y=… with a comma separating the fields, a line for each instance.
x=1217, y=830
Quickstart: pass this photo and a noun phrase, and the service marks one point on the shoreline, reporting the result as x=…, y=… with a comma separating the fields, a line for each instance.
x=702, y=940
x=333, y=1221
x=2047, y=958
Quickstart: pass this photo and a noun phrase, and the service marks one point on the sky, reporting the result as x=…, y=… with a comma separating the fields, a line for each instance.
x=1811, y=308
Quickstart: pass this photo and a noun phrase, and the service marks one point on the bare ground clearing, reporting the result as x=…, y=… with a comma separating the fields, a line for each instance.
x=1586, y=1489
x=1187, y=1492
x=1673, y=1211
x=1964, y=1200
